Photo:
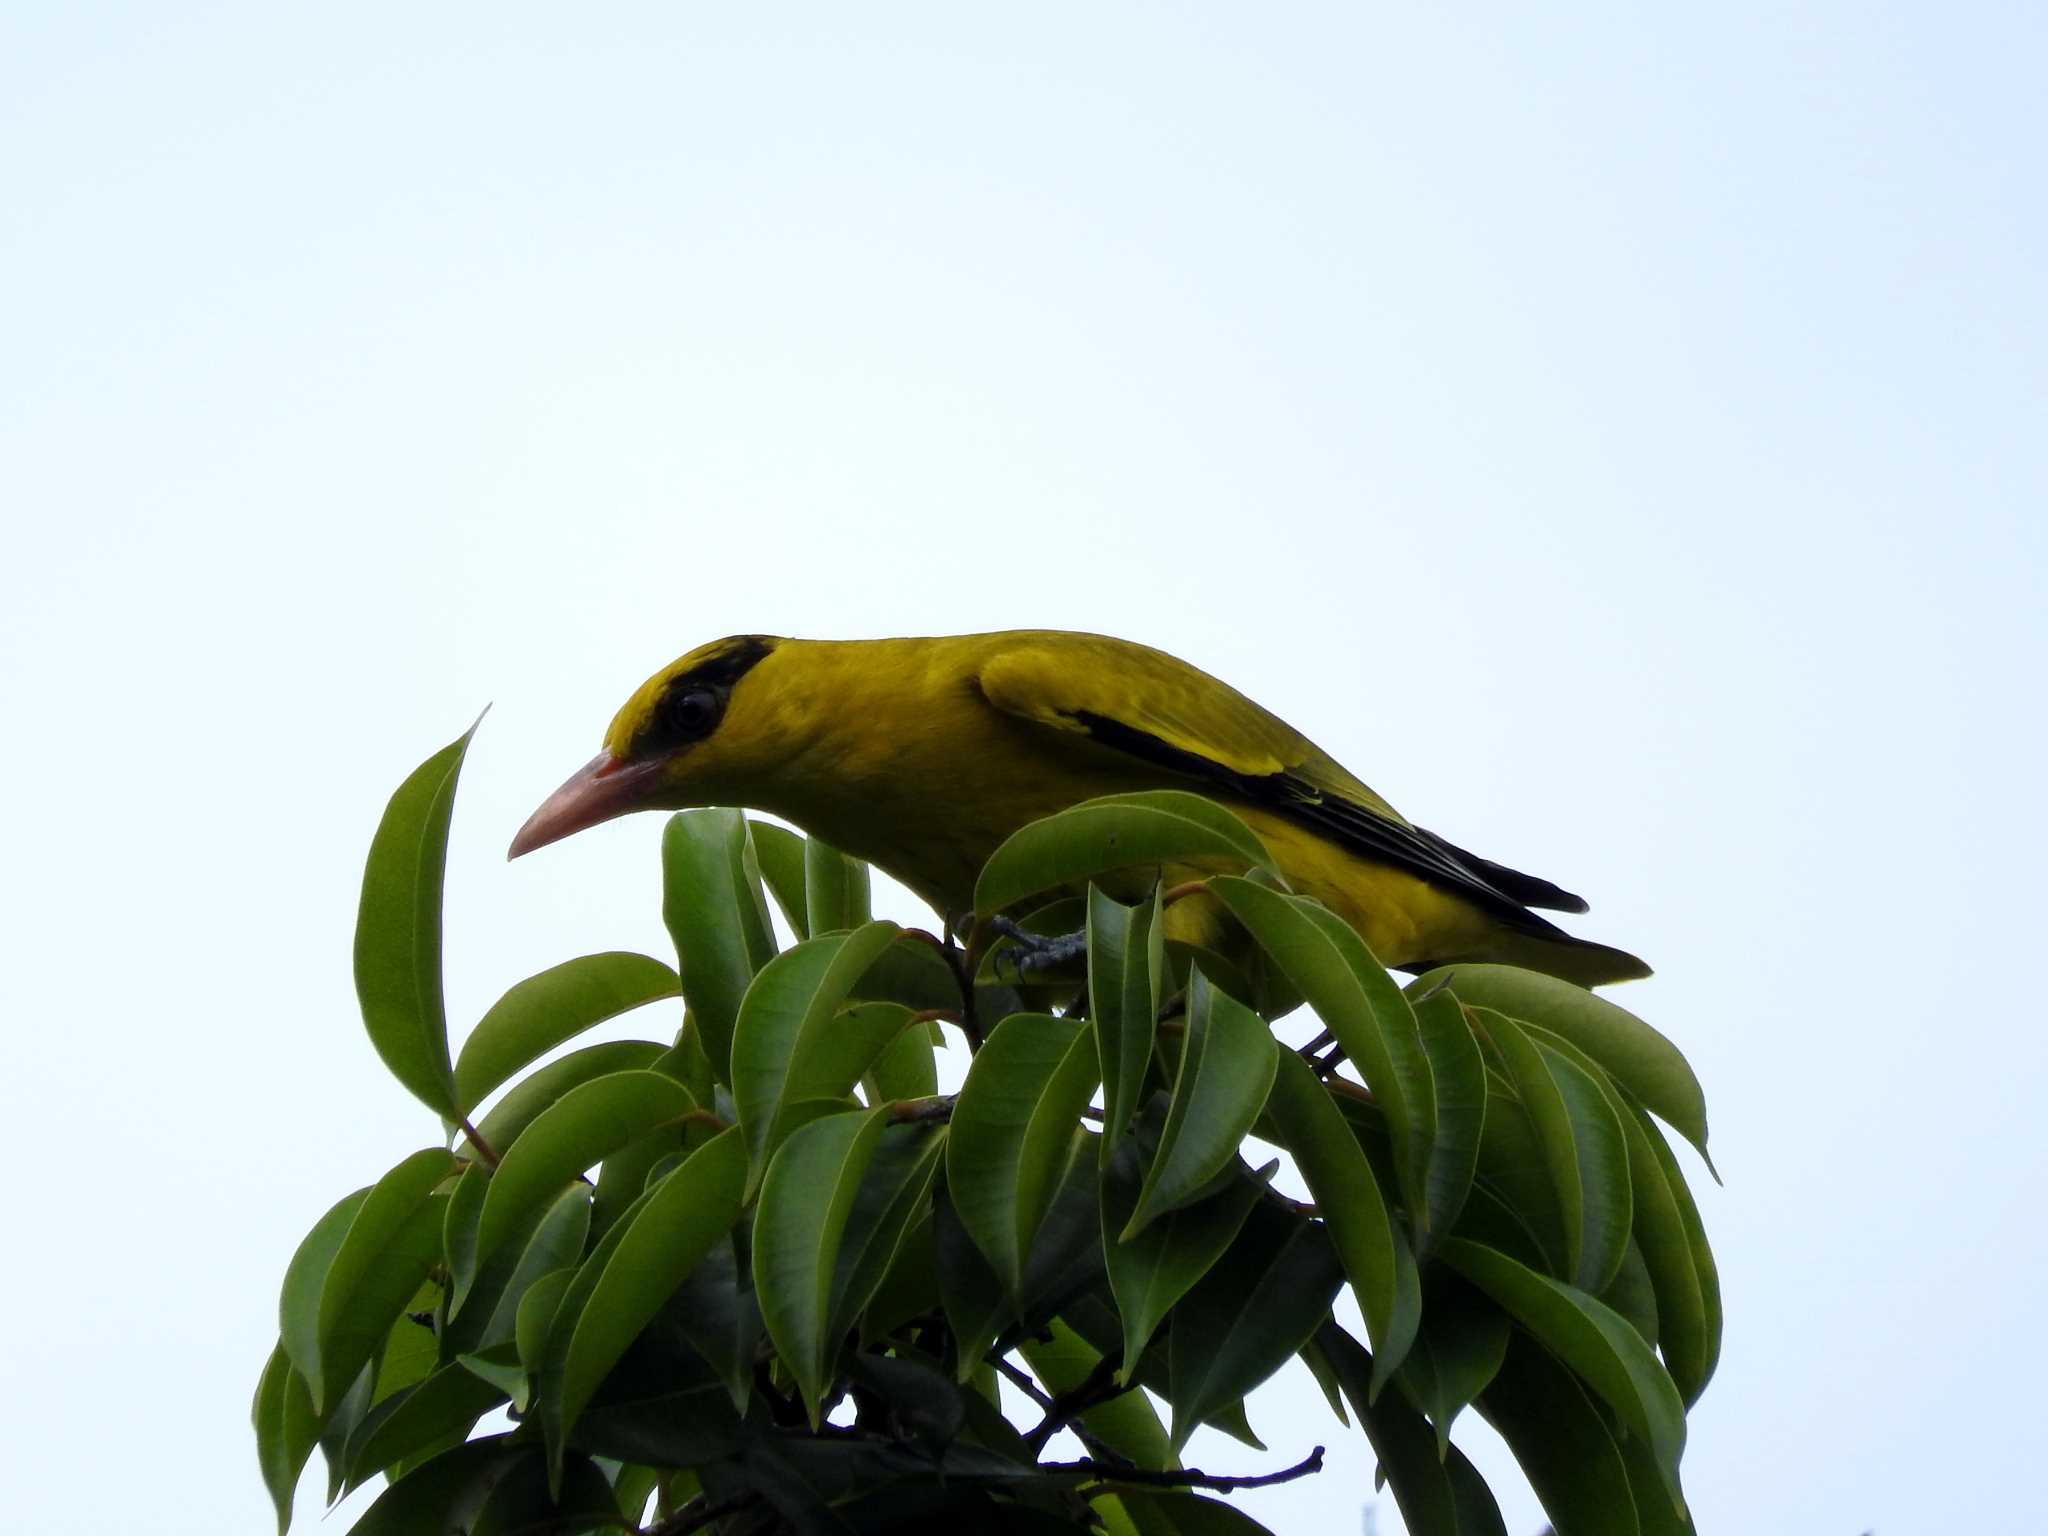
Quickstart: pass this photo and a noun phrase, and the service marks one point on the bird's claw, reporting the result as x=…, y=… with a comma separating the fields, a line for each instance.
x=1030, y=953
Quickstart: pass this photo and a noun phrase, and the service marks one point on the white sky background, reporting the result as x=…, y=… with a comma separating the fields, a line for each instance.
x=1618, y=437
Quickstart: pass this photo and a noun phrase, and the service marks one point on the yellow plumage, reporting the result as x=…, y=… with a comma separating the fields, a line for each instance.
x=922, y=755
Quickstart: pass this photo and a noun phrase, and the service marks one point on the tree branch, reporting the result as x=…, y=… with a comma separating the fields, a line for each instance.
x=1139, y=1477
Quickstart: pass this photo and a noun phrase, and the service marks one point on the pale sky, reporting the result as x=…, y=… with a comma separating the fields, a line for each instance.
x=1617, y=433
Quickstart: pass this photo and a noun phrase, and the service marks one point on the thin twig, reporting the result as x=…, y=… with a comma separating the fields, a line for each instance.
x=475, y=1138
x=922, y=1111
x=1096, y=1388
x=1141, y=1477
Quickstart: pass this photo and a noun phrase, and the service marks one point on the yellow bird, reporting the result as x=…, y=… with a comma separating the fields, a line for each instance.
x=922, y=755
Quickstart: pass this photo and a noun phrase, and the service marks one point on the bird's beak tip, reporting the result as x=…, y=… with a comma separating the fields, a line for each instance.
x=602, y=788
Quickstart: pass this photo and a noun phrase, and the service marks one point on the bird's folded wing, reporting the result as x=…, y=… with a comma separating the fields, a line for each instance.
x=1161, y=710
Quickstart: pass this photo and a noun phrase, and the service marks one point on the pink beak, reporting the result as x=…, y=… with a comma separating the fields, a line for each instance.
x=602, y=788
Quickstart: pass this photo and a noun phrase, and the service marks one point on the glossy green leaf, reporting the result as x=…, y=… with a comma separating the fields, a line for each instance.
x=906, y=1068
x=1359, y=1002
x=1515, y=1184
x=836, y=895
x=806, y=1198
x=718, y=918
x=448, y=1401
x=1153, y=1270
x=714, y=1306
x=1126, y=971
x=1608, y=1355
x=519, y=1503
x=1226, y=1071
x=796, y=1039
x=1175, y=1512
x=552, y=1241
x=969, y=1290
x=393, y=1241
x=1348, y=1197
x=1401, y=1440
x=398, y=930
x=1582, y=1145
x=633, y=1271
x=286, y=1430
x=1012, y=1133
x=779, y=855
x=1457, y=1072
x=1691, y=1347
x=1128, y=1424
x=539, y=1013
x=1642, y=1060
x=1253, y=1311
x=542, y=1087
x=1463, y=1340
x=1117, y=832
x=1564, y=1445
x=445, y=1493
x=298, y=1302
x=569, y=1137
x=894, y=1193
x=535, y=1319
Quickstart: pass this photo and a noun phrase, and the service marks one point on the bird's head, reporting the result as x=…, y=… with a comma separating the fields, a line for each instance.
x=665, y=748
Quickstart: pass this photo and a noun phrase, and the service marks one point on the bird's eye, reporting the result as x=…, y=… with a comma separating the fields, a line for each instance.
x=688, y=715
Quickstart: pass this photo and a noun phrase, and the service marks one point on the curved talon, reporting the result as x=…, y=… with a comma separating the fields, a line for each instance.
x=1033, y=952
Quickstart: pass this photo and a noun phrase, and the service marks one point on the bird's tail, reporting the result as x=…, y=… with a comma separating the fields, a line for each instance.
x=1569, y=959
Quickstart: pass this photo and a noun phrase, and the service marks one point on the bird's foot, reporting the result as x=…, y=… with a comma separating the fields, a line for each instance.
x=1034, y=953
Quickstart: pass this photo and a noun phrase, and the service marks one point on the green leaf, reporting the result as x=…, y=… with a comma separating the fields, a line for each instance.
x=444, y=1493
x=1358, y=1001
x=1117, y=832
x=572, y=1135
x=553, y=1241
x=835, y=889
x=539, y=1013
x=393, y=1241
x=1463, y=1340
x=398, y=930
x=895, y=1192
x=298, y=1302
x=1128, y=1424
x=519, y=1503
x=1254, y=1310
x=1691, y=1345
x=1348, y=1197
x=535, y=1321
x=1642, y=1061
x=1012, y=1133
x=1564, y=1445
x=1153, y=1270
x=716, y=1311
x=1439, y=1492
x=969, y=1291
x=447, y=1402
x=1457, y=1072
x=712, y=904
x=1608, y=1354
x=1126, y=964
x=795, y=1040
x=779, y=855
x=906, y=1068
x=806, y=1198
x=286, y=1430
x=1172, y=1512
x=1582, y=1144
x=526, y=1099
x=634, y=1270
x=1226, y=1071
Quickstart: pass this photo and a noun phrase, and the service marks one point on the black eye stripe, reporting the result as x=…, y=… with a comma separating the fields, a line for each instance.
x=693, y=703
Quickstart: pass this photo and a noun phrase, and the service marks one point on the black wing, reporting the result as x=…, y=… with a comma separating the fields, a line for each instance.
x=1506, y=893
